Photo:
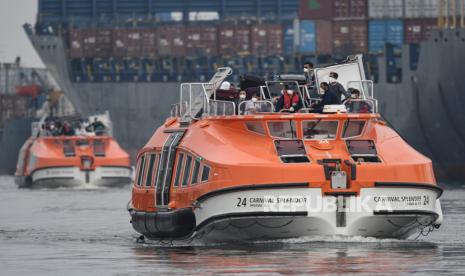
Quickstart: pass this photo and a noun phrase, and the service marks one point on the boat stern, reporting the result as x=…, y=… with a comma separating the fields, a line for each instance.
x=255, y=212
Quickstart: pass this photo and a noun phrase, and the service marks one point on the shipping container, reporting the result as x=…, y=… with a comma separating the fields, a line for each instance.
x=75, y=44
x=380, y=9
x=12, y=106
x=242, y=39
x=289, y=38
x=96, y=42
x=259, y=40
x=171, y=41
x=418, y=30
x=421, y=8
x=341, y=8
x=316, y=9
x=226, y=40
x=355, y=9
x=274, y=39
x=358, y=8
x=385, y=31
x=307, y=35
x=127, y=42
x=350, y=37
x=149, y=43
x=324, y=36
x=89, y=43
x=201, y=41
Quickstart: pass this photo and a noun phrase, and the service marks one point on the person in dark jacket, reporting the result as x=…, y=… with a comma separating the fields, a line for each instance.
x=309, y=73
x=289, y=100
x=328, y=97
x=336, y=87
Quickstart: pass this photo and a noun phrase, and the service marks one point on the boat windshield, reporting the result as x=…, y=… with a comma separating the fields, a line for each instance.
x=320, y=130
x=282, y=129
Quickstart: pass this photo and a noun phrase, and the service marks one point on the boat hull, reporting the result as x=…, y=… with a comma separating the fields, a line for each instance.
x=75, y=177
x=249, y=214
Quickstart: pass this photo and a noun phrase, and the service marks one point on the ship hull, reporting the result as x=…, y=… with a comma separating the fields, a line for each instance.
x=74, y=177
x=270, y=214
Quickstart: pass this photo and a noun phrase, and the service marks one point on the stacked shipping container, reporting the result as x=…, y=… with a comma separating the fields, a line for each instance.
x=326, y=27
x=12, y=106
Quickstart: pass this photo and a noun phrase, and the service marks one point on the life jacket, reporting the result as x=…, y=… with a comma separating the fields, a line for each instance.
x=289, y=102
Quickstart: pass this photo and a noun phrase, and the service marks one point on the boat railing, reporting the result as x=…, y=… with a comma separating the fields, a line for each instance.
x=366, y=88
x=221, y=108
x=361, y=106
x=175, y=110
x=178, y=109
x=253, y=107
x=195, y=95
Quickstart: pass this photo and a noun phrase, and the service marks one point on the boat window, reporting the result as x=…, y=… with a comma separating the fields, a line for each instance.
x=319, y=130
x=178, y=170
x=148, y=179
x=68, y=148
x=205, y=173
x=82, y=143
x=255, y=126
x=195, y=173
x=187, y=171
x=353, y=128
x=140, y=173
x=282, y=129
x=99, y=148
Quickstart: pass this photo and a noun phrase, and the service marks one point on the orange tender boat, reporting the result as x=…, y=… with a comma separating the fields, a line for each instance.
x=83, y=159
x=216, y=175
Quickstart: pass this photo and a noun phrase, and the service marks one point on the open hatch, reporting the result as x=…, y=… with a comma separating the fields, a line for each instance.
x=291, y=151
x=363, y=151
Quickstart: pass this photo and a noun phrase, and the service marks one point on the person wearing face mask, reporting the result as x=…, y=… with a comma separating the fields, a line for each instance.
x=355, y=105
x=290, y=100
x=241, y=98
x=253, y=106
x=309, y=73
x=336, y=87
x=328, y=97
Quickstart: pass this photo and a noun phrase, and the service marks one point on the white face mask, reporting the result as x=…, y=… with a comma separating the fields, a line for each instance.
x=306, y=70
x=242, y=97
x=322, y=90
x=254, y=99
x=290, y=92
x=331, y=79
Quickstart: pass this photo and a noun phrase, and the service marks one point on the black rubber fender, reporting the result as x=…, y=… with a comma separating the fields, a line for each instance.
x=164, y=224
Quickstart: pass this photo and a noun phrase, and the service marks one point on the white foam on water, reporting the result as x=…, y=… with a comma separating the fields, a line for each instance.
x=301, y=240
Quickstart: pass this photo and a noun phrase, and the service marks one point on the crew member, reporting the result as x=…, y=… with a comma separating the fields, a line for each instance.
x=336, y=87
x=96, y=126
x=253, y=106
x=328, y=97
x=242, y=98
x=67, y=130
x=289, y=100
x=309, y=73
x=356, y=105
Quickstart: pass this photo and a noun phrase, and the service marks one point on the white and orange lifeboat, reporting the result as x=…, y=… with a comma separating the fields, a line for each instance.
x=219, y=172
x=86, y=158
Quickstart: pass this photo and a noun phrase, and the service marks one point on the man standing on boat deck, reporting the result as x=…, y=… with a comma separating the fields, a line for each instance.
x=309, y=74
x=337, y=88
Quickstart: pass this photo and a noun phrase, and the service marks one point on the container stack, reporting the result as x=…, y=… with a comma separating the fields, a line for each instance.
x=323, y=30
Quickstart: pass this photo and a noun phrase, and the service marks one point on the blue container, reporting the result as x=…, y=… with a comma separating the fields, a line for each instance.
x=381, y=32
x=307, y=37
x=288, y=39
